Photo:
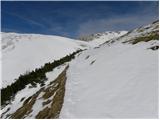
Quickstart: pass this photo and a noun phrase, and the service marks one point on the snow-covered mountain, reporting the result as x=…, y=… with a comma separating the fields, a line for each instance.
x=99, y=38
x=116, y=78
x=25, y=52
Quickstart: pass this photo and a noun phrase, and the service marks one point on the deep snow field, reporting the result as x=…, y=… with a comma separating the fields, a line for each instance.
x=116, y=80
x=121, y=83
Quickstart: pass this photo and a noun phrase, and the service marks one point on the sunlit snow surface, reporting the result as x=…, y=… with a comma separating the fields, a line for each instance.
x=121, y=83
x=25, y=52
x=116, y=80
x=106, y=36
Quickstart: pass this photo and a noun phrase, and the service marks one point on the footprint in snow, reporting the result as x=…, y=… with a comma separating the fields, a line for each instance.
x=92, y=62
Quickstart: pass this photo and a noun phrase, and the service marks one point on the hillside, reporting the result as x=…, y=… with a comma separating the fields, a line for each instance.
x=117, y=80
x=25, y=52
x=110, y=77
x=100, y=38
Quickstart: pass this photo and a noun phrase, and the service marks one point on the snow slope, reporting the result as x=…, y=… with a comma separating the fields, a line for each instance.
x=29, y=91
x=106, y=36
x=25, y=52
x=111, y=79
x=116, y=80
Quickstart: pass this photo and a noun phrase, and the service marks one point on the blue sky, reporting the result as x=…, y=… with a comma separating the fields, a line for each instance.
x=72, y=19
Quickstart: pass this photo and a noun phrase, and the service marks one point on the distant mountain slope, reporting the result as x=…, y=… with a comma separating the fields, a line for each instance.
x=25, y=52
x=142, y=34
x=100, y=38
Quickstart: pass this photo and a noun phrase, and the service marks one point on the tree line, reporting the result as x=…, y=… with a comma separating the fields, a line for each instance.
x=34, y=77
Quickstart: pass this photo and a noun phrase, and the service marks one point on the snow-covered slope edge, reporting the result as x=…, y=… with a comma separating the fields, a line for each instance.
x=17, y=106
x=100, y=38
x=117, y=80
x=25, y=52
x=32, y=101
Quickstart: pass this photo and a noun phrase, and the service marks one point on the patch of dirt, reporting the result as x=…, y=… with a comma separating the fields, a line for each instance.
x=58, y=91
x=26, y=107
x=52, y=94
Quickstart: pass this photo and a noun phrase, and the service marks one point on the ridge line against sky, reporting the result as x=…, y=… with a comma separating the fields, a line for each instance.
x=73, y=19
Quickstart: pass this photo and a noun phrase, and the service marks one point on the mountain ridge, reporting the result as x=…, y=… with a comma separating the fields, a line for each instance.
x=118, y=76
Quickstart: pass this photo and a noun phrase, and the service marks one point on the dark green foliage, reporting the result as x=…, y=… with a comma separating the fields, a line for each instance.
x=34, y=77
x=153, y=36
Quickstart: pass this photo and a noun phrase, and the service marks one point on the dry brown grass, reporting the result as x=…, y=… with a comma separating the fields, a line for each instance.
x=57, y=101
x=55, y=89
x=26, y=108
